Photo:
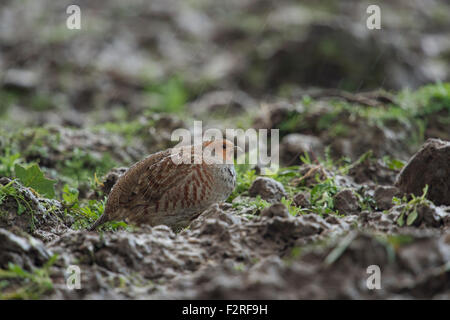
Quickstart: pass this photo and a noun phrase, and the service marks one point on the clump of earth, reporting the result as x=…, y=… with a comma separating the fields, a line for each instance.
x=270, y=253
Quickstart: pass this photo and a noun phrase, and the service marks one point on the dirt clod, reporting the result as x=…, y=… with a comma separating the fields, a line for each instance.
x=24, y=252
x=275, y=210
x=383, y=196
x=429, y=166
x=269, y=189
x=346, y=202
x=302, y=199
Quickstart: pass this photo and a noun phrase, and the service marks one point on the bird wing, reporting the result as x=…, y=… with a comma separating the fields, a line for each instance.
x=147, y=181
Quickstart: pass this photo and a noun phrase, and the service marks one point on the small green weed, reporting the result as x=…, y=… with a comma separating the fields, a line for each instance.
x=32, y=285
x=9, y=190
x=409, y=212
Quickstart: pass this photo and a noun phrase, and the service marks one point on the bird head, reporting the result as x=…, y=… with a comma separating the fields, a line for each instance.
x=222, y=150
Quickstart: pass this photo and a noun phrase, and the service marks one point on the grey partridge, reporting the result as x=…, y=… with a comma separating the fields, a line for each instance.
x=161, y=190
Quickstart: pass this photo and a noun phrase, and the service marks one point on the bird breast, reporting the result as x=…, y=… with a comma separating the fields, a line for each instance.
x=226, y=180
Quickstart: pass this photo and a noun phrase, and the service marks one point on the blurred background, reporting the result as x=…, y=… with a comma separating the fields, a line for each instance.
x=125, y=51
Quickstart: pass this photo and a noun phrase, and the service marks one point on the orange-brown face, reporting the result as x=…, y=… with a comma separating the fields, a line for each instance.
x=223, y=148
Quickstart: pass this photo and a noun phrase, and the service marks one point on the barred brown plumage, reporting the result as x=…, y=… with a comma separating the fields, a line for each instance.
x=160, y=190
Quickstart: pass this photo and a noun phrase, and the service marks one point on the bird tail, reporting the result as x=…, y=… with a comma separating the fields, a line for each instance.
x=103, y=218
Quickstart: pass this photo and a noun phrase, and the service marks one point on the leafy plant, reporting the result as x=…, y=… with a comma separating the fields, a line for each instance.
x=392, y=163
x=8, y=162
x=366, y=202
x=293, y=210
x=305, y=158
x=367, y=156
x=322, y=193
x=86, y=212
x=328, y=161
x=31, y=176
x=32, y=285
x=9, y=190
x=244, y=178
x=251, y=205
x=426, y=100
x=294, y=122
x=409, y=212
x=82, y=165
x=260, y=203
